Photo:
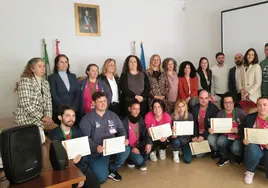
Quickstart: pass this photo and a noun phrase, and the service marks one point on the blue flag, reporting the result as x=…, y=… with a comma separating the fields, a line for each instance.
x=143, y=63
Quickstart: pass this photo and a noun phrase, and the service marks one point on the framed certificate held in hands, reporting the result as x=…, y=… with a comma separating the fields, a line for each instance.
x=160, y=131
x=221, y=125
x=114, y=145
x=183, y=128
x=200, y=147
x=256, y=136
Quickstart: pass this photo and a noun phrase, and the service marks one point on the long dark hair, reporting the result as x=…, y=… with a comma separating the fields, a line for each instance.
x=182, y=67
x=200, y=68
x=125, y=68
x=56, y=62
x=255, y=60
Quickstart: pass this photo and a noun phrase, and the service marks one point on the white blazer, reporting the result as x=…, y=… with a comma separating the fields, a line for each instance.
x=251, y=81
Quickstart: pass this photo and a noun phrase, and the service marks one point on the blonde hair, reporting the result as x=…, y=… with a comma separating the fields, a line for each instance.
x=176, y=112
x=151, y=61
x=105, y=66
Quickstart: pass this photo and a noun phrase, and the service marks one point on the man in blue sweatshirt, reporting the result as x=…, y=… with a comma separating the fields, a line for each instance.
x=100, y=124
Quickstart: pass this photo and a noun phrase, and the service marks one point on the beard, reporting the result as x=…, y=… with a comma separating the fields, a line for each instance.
x=238, y=63
x=68, y=123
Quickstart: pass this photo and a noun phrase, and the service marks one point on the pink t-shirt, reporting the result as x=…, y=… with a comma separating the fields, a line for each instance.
x=201, y=120
x=232, y=136
x=133, y=138
x=88, y=97
x=150, y=120
x=260, y=124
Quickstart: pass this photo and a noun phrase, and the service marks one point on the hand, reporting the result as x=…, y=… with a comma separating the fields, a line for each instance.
x=126, y=142
x=139, y=98
x=194, y=139
x=211, y=131
x=187, y=100
x=135, y=150
x=245, y=142
x=77, y=159
x=162, y=97
x=174, y=136
x=47, y=120
x=266, y=146
x=234, y=130
x=173, y=132
x=163, y=139
x=157, y=97
x=99, y=149
x=80, y=184
x=148, y=148
x=200, y=139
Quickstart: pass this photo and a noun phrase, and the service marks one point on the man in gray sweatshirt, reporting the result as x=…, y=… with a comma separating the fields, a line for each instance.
x=100, y=124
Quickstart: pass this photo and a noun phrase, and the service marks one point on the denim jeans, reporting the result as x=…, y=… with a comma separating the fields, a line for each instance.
x=99, y=165
x=212, y=140
x=138, y=159
x=187, y=154
x=253, y=155
x=223, y=144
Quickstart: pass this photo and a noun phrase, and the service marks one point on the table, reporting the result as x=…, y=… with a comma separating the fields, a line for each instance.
x=48, y=177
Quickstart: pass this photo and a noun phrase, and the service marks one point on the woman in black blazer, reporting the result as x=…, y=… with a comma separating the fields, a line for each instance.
x=63, y=86
x=110, y=78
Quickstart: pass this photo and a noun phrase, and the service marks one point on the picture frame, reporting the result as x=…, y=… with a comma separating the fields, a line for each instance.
x=87, y=19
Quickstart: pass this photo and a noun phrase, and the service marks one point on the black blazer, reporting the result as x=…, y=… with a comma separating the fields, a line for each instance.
x=248, y=123
x=212, y=111
x=59, y=93
x=105, y=81
x=232, y=81
x=203, y=80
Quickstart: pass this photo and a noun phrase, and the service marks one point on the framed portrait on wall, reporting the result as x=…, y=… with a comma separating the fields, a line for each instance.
x=87, y=19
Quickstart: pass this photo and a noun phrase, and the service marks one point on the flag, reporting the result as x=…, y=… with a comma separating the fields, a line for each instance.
x=48, y=71
x=143, y=63
x=57, y=47
x=133, y=48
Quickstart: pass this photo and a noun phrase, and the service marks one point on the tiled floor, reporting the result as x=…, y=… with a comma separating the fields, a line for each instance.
x=202, y=172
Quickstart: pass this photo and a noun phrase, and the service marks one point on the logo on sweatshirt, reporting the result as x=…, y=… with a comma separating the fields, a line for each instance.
x=97, y=124
x=110, y=123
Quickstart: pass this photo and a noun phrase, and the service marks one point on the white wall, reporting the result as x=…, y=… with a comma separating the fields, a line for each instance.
x=203, y=27
x=158, y=23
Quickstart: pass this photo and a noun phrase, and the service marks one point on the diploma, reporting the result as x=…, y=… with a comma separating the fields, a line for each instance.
x=160, y=131
x=183, y=128
x=256, y=136
x=77, y=146
x=114, y=145
x=221, y=125
x=200, y=147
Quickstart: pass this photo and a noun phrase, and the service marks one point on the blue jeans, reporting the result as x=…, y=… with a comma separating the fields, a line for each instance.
x=99, y=165
x=138, y=159
x=212, y=140
x=187, y=154
x=223, y=143
x=253, y=155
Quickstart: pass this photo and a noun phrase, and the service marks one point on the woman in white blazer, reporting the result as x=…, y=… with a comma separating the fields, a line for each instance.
x=251, y=77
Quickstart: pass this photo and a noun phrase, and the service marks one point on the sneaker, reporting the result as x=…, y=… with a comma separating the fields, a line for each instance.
x=176, y=158
x=130, y=165
x=238, y=160
x=162, y=154
x=180, y=152
x=223, y=162
x=249, y=177
x=215, y=155
x=153, y=156
x=143, y=168
x=114, y=175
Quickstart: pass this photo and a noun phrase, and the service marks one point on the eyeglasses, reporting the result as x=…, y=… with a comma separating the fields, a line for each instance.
x=228, y=102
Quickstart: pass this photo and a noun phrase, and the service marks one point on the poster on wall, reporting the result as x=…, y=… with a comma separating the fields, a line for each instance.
x=87, y=19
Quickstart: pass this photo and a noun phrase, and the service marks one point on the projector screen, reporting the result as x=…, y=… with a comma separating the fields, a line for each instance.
x=243, y=28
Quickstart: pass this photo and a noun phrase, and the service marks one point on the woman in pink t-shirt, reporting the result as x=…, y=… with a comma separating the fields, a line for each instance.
x=155, y=118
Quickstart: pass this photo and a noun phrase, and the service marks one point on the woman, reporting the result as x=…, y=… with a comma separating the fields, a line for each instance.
x=204, y=75
x=88, y=87
x=34, y=105
x=159, y=85
x=111, y=80
x=139, y=141
x=251, y=78
x=63, y=86
x=231, y=141
x=155, y=118
x=134, y=84
x=181, y=114
x=169, y=65
x=188, y=83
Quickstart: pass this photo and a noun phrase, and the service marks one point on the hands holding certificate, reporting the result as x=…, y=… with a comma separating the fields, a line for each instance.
x=198, y=139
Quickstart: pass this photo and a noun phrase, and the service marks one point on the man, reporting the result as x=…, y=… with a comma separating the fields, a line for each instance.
x=254, y=153
x=264, y=67
x=235, y=76
x=202, y=112
x=100, y=124
x=219, y=76
x=67, y=131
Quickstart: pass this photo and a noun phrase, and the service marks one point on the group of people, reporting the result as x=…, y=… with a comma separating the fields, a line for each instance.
x=106, y=106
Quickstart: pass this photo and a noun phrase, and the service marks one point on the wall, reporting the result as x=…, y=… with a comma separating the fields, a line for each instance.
x=203, y=27
x=158, y=23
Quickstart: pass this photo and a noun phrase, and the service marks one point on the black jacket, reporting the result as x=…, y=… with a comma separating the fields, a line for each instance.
x=212, y=111
x=105, y=81
x=232, y=81
x=203, y=80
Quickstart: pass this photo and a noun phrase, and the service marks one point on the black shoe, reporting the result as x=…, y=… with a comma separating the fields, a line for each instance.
x=114, y=175
x=238, y=160
x=215, y=155
x=223, y=162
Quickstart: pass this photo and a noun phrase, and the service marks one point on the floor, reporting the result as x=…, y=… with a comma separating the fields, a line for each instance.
x=202, y=172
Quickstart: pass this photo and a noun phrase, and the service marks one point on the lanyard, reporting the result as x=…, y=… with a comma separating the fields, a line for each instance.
x=95, y=86
x=233, y=114
x=64, y=135
x=203, y=119
x=256, y=122
x=135, y=129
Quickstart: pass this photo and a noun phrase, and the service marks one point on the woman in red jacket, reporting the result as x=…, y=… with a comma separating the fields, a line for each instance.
x=188, y=83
